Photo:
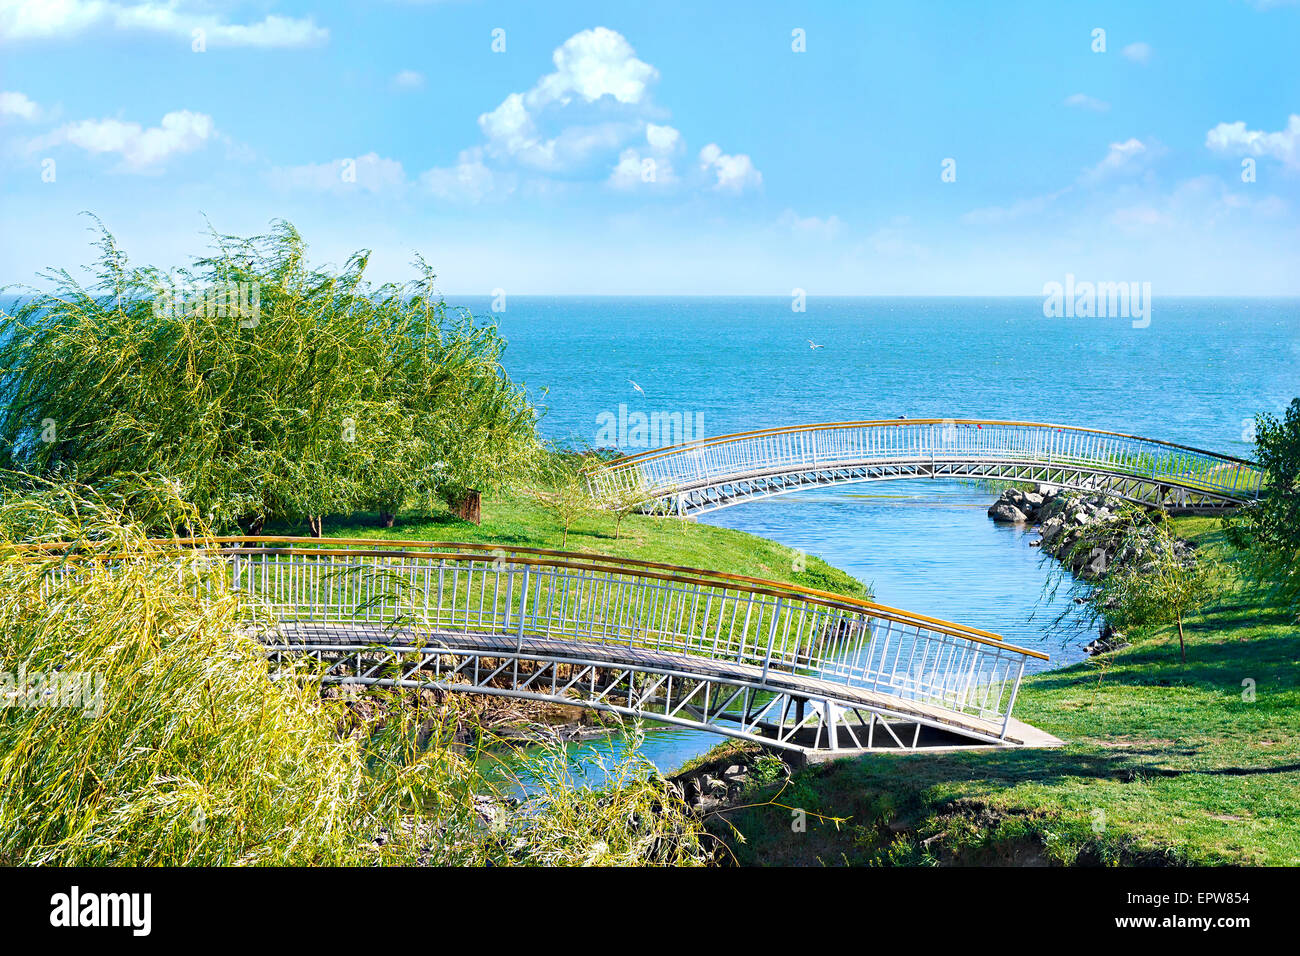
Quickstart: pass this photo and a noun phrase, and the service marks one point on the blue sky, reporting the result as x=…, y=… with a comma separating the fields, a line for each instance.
x=669, y=147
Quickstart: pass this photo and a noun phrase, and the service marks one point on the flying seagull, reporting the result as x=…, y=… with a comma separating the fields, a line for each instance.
x=636, y=386
x=814, y=345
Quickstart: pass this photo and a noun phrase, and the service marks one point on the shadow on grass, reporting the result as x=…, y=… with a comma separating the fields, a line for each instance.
x=1004, y=768
x=1211, y=665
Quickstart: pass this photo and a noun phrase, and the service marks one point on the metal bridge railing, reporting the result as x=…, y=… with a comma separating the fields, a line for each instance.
x=729, y=457
x=530, y=595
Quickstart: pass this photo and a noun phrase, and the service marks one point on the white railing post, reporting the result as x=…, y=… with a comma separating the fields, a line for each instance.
x=1015, y=689
x=523, y=611
x=771, y=638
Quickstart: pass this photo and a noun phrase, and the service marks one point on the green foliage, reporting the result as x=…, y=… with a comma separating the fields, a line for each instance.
x=262, y=386
x=1157, y=585
x=563, y=490
x=186, y=752
x=635, y=819
x=625, y=500
x=191, y=754
x=1152, y=577
x=1270, y=528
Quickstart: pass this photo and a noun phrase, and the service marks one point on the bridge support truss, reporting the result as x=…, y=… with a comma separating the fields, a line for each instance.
x=713, y=496
x=768, y=714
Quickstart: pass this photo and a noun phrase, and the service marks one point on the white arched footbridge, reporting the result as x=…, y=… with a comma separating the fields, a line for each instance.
x=703, y=476
x=783, y=665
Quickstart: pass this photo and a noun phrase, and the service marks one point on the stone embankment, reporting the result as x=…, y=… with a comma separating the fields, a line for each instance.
x=727, y=780
x=1087, y=533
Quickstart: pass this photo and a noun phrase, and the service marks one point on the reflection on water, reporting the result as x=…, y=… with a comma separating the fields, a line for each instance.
x=664, y=745
x=925, y=546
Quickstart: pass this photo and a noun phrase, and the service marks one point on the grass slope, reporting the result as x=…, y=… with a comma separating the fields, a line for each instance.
x=520, y=521
x=1165, y=763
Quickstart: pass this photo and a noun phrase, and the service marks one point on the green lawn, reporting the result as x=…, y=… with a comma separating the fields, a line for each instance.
x=520, y=521
x=1165, y=763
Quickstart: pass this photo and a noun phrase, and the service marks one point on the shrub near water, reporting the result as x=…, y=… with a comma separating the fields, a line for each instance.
x=198, y=757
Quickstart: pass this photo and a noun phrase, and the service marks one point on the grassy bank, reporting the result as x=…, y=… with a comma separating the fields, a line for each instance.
x=1165, y=763
x=521, y=521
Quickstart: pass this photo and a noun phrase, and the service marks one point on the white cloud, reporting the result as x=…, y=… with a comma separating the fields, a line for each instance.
x=1198, y=204
x=408, y=80
x=653, y=166
x=593, y=112
x=470, y=180
x=1120, y=156
x=1137, y=52
x=665, y=139
x=61, y=19
x=592, y=64
x=17, y=106
x=141, y=149
x=1085, y=102
x=371, y=173
x=635, y=170
x=509, y=127
x=1235, y=138
x=734, y=173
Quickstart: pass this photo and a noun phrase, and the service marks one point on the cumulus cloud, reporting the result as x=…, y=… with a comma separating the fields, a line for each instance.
x=648, y=166
x=1137, y=52
x=662, y=138
x=594, y=111
x=140, y=148
x=734, y=173
x=1236, y=138
x=589, y=66
x=592, y=64
x=17, y=106
x=1085, y=102
x=60, y=19
x=372, y=173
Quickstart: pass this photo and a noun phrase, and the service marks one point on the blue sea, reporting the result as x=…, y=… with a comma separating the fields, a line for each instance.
x=1197, y=374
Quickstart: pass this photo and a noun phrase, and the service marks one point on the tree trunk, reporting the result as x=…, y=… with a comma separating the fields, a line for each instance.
x=252, y=525
x=1181, y=646
x=314, y=525
x=468, y=506
x=387, y=519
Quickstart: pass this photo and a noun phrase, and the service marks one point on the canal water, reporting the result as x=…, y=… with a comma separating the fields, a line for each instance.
x=1197, y=375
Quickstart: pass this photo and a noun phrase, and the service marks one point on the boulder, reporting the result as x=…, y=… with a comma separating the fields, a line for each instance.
x=1051, y=529
x=1007, y=513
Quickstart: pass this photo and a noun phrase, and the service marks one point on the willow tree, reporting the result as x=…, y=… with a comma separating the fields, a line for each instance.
x=262, y=386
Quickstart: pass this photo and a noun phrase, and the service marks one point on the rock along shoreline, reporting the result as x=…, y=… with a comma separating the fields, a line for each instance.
x=1087, y=533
